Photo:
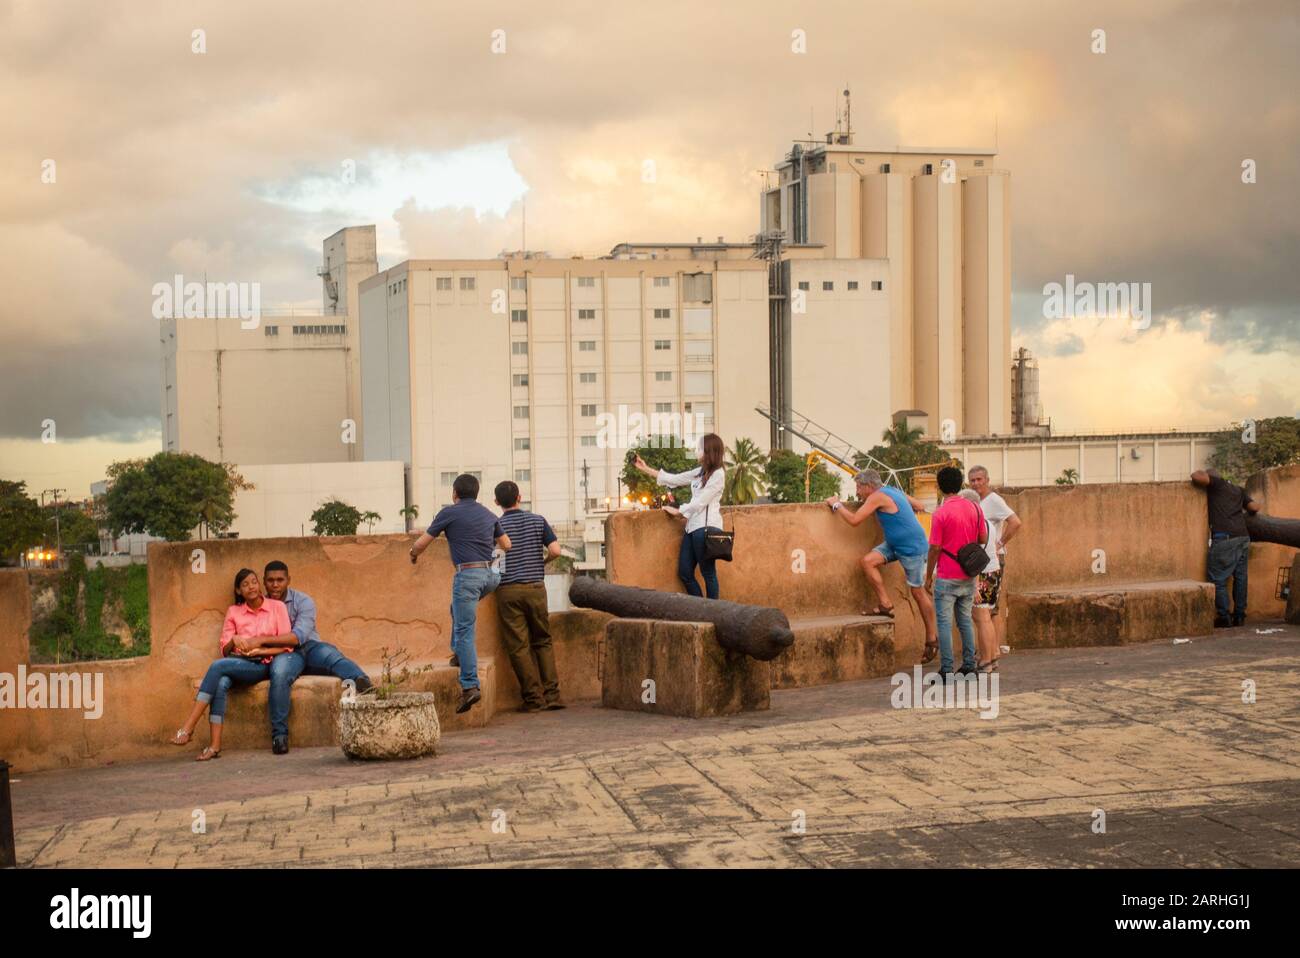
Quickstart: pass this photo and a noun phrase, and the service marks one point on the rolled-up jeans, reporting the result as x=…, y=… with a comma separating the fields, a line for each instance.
x=221, y=675
x=467, y=588
x=958, y=594
x=1229, y=557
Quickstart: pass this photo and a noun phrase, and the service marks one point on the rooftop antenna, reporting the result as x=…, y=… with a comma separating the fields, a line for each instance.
x=848, y=113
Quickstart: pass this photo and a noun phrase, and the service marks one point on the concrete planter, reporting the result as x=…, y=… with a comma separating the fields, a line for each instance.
x=405, y=725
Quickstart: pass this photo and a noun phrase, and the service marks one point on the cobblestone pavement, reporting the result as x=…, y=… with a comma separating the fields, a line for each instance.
x=1185, y=772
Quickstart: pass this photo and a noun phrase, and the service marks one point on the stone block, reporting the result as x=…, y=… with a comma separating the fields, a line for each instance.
x=835, y=649
x=693, y=675
x=1109, y=615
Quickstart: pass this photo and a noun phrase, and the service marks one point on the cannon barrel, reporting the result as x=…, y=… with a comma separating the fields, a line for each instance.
x=757, y=631
x=1284, y=532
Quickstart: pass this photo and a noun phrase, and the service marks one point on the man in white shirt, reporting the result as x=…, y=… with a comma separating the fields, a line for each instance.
x=1003, y=525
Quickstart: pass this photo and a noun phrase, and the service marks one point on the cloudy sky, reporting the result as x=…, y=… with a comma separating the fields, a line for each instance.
x=1126, y=166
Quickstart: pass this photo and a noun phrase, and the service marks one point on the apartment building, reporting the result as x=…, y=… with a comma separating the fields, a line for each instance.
x=534, y=369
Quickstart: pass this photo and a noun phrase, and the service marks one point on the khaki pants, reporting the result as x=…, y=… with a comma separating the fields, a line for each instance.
x=526, y=634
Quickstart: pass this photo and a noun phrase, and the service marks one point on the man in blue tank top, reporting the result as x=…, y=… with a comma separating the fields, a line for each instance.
x=905, y=543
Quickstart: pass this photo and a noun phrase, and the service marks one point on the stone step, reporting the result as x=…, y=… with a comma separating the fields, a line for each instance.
x=313, y=716
x=839, y=648
x=1109, y=614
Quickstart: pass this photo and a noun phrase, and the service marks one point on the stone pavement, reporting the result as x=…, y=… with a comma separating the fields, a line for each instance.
x=1155, y=736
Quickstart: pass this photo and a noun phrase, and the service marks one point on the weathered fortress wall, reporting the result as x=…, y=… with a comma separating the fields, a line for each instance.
x=800, y=558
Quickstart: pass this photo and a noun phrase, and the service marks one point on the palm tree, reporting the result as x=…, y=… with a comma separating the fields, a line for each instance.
x=744, y=472
x=409, y=513
x=1068, y=477
x=900, y=435
x=370, y=518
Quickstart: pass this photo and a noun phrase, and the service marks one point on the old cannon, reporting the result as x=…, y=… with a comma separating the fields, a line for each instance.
x=757, y=631
x=1284, y=532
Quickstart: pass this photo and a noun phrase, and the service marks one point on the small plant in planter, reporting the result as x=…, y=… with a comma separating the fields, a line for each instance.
x=386, y=723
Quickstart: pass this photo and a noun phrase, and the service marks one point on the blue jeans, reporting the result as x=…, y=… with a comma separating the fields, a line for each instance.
x=321, y=658
x=467, y=587
x=691, y=555
x=958, y=593
x=226, y=671
x=1228, y=557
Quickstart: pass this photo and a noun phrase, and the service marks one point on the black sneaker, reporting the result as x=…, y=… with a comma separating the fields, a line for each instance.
x=530, y=707
x=966, y=670
x=554, y=706
x=1238, y=620
x=468, y=699
x=280, y=745
x=1222, y=622
x=364, y=685
x=454, y=661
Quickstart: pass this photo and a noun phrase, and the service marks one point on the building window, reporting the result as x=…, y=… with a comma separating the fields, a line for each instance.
x=853, y=284
x=979, y=162
x=519, y=348
x=586, y=314
x=663, y=376
x=662, y=344
x=663, y=407
x=518, y=315
x=466, y=282
x=827, y=286
x=877, y=284
x=662, y=280
x=519, y=283
x=593, y=505
x=523, y=444
x=587, y=281
x=273, y=330
x=586, y=377
x=589, y=409
x=448, y=478
x=523, y=475
x=803, y=286
x=589, y=440
x=519, y=379
x=663, y=314
x=587, y=345
x=444, y=282
x=521, y=412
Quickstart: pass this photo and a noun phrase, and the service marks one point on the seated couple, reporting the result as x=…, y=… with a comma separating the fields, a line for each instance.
x=266, y=635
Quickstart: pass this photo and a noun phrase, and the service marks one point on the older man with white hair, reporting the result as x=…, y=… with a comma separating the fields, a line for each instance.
x=1003, y=525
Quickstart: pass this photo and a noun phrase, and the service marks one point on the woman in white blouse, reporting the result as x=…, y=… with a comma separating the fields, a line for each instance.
x=704, y=511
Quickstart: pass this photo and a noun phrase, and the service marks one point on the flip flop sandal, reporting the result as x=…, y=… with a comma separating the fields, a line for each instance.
x=931, y=652
x=878, y=610
x=208, y=755
x=174, y=740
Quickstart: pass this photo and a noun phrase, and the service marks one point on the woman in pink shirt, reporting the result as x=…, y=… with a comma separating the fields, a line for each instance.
x=244, y=658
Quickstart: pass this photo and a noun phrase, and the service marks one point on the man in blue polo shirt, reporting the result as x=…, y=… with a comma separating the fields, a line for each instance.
x=471, y=531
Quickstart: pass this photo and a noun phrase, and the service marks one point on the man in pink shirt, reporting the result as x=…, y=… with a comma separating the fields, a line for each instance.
x=957, y=522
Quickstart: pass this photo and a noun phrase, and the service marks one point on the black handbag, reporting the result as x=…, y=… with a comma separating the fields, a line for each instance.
x=972, y=557
x=718, y=544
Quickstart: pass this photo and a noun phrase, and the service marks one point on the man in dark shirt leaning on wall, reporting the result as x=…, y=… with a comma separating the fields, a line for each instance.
x=1228, y=505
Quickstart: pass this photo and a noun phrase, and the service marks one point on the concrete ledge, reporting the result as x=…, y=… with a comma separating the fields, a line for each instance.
x=314, y=710
x=1109, y=615
x=841, y=648
x=693, y=675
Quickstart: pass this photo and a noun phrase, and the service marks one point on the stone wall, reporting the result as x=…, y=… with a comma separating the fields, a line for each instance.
x=1278, y=493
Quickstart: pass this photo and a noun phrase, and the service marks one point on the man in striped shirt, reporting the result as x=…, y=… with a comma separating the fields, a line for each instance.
x=521, y=601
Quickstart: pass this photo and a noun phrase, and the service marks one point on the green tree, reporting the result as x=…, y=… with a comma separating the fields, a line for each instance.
x=335, y=517
x=171, y=494
x=901, y=448
x=21, y=522
x=1068, y=477
x=744, y=467
x=1276, y=443
x=661, y=452
x=409, y=513
x=370, y=518
x=784, y=474
x=75, y=529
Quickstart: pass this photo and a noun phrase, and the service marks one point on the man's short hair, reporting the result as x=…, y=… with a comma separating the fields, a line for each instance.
x=868, y=477
x=465, y=486
x=970, y=494
x=974, y=469
x=949, y=480
x=275, y=565
x=507, y=494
